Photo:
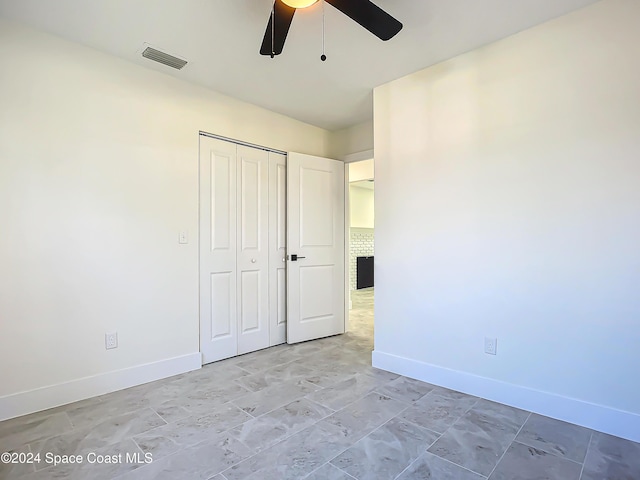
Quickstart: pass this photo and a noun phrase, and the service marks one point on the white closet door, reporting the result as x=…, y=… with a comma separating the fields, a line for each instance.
x=277, y=248
x=253, y=249
x=218, y=279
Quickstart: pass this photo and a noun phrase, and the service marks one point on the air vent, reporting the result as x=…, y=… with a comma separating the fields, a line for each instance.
x=164, y=58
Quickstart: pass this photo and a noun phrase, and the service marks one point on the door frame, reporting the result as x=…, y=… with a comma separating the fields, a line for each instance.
x=347, y=248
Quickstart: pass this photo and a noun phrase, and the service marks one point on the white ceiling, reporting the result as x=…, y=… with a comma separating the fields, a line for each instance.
x=221, y=40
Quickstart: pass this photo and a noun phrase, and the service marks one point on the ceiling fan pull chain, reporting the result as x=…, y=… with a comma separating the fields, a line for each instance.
x=273, y=29
x=323, y=57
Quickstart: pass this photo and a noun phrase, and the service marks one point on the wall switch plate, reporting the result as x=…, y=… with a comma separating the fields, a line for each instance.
x=111, y=340
x=183, y=237
x=491, y=346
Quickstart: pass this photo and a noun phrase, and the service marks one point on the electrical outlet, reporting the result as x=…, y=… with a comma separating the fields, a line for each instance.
x=490, y=346
x=183, y=237
x=111, y=340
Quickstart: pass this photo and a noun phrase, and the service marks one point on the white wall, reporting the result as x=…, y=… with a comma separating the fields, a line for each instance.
x=98, y=175
x=361, y=206
x=509, y=177
x=352, y=140
x=363, y=170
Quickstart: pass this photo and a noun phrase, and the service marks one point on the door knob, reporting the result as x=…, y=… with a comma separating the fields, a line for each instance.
x=295, y=258
x=253, y=260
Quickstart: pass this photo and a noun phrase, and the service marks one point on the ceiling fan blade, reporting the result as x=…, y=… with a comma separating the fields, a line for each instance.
x=370, y=16
x=273, y=42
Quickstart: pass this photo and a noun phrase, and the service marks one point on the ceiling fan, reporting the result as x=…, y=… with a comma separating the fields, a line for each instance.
x=364, y=12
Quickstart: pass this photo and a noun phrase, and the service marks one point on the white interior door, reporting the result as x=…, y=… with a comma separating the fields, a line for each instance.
x=218, y=246
x=253, y=249
x=315, y=247
x=277, y=248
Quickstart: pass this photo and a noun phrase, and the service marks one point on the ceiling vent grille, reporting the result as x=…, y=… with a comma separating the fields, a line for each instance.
x=164, y=58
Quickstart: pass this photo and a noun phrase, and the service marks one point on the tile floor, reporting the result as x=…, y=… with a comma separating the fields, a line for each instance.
x=317, y=411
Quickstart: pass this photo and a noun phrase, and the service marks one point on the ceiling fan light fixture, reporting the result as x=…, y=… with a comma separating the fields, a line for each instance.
x=299, y=3
x=364, y=12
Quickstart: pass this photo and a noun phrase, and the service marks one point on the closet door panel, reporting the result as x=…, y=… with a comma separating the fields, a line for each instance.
x=218, y=279
x=253, y=249
x=277, y=247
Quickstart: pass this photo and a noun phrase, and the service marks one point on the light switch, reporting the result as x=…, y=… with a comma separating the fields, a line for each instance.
x=183, y=238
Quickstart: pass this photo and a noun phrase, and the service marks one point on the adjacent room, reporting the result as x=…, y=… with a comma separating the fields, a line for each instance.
x=198, y=200
x=361, y=246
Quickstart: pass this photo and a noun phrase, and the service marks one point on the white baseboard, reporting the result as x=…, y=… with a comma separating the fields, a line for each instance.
x=596, y=417
x=23, y=403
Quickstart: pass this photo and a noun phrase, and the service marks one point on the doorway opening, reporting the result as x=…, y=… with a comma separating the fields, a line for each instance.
x=361, y=256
